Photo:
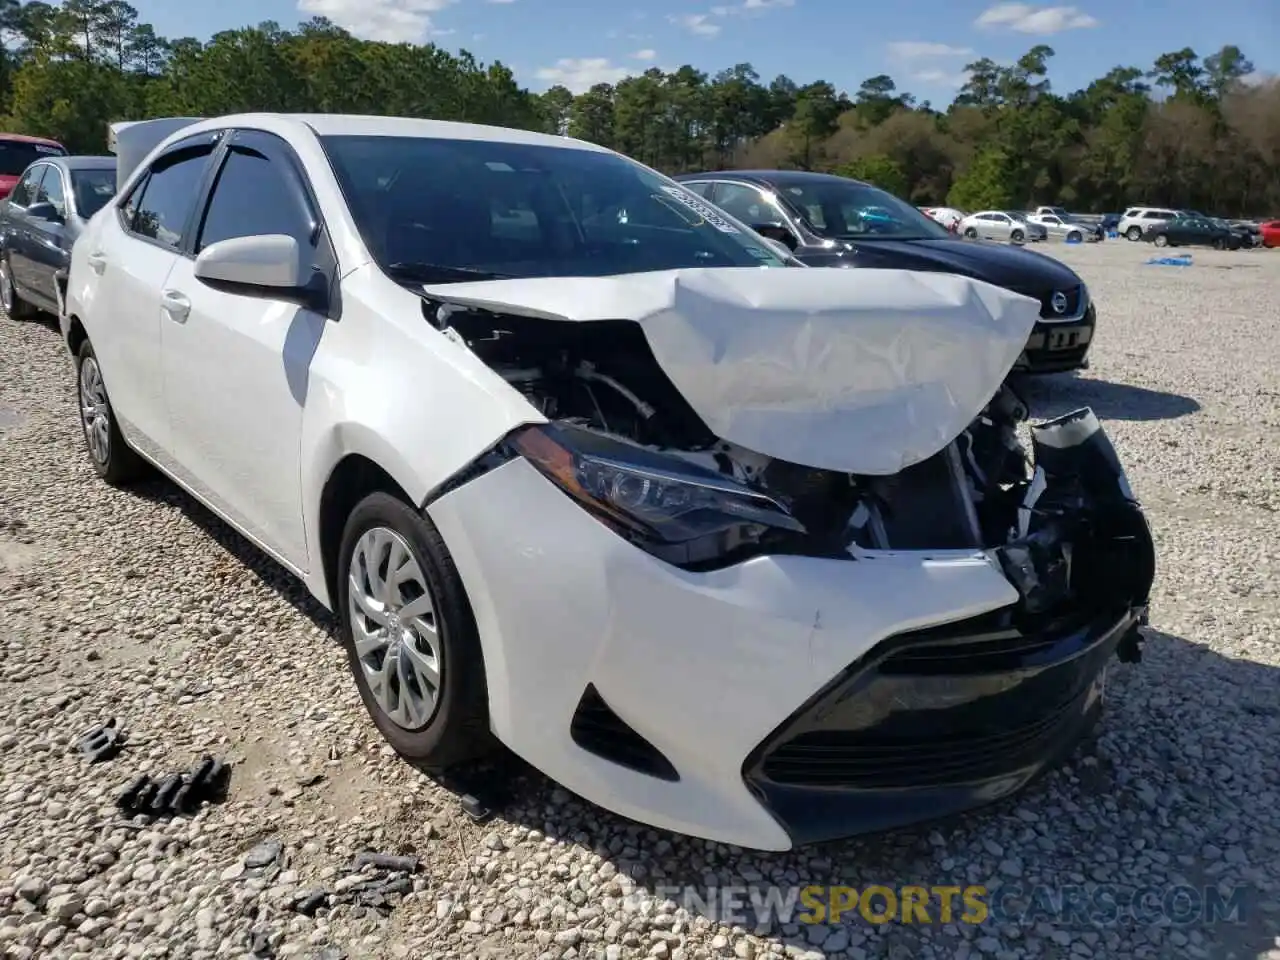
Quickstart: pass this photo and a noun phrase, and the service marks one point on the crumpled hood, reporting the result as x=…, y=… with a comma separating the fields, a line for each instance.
x=858, y=371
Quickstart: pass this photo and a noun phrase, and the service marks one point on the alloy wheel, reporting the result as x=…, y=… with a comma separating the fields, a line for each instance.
x=6, y=288
x=95, y=411
x=394, y=628
x=1162, y=240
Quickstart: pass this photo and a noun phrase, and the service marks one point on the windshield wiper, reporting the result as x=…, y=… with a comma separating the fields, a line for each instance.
x=440, y=273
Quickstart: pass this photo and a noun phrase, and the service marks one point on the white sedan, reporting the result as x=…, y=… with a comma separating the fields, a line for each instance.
x=1001, y=225
x=584, y=468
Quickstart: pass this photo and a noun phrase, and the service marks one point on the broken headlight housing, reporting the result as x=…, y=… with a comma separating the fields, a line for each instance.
x=681, y=513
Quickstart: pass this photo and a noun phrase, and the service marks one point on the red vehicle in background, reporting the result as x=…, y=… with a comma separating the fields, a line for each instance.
x=1270, y=233
x=18, y=151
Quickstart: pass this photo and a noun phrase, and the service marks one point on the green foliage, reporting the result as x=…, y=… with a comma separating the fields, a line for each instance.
x=985, y=185
x=878, y=169
x=1183, y=132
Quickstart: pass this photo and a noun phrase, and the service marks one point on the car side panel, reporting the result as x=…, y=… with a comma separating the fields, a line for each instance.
x=386, y=385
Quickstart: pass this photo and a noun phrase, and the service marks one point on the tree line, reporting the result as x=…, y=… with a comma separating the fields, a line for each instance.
x=1187, y=131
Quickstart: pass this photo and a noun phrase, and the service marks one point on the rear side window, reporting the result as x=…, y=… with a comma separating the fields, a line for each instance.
x=51, y=191
x=169, y=195
x=701, y=188
x=253, y=196
x=1131, y=212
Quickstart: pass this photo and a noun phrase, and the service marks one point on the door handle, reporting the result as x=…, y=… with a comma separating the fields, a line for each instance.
x=97, y=262
x=176, y=305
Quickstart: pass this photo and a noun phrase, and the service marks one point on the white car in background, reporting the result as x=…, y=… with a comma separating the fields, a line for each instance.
x=1002, y=225
x=1065, y=228
x=1136, y=221
x=583, y=467
x=949, y=217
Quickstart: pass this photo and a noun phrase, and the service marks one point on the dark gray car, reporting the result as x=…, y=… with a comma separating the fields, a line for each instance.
x=40, y=222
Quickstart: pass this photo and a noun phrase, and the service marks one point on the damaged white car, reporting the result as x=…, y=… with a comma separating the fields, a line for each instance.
x=587, y=468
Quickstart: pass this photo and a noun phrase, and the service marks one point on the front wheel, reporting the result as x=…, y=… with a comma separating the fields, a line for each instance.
x=1219, y=244
x=1074, y=237
x=970, y=233
x=14, y=305
x=112, y=457
x=1017, y=236
x=1134, y=234
x=410, y=636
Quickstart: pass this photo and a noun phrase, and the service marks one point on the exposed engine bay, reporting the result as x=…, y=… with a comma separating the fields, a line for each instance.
x=983, y=491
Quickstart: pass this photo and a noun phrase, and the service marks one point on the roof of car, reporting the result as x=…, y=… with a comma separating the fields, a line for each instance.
x=24, y=138
x=84, y=162
x=795, y=177
x=338, y=125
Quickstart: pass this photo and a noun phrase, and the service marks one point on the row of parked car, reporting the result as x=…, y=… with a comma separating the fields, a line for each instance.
x=578, y=460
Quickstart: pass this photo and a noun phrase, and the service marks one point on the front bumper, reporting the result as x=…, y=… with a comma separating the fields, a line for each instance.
x=1058, y=346
x=673, y=697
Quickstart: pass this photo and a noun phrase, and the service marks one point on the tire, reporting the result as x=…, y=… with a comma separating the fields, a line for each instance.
x=1219, y=244
x=109, y=453
x=456, y=724
x=971, y=233
x=14, y=305
x=1074, y=236
x=1133, y=234
x=1017, y=236
x=1161, y=240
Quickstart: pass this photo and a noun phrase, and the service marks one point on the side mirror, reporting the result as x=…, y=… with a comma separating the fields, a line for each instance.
x=267, y=266
x=778, y=232
x=44, y=211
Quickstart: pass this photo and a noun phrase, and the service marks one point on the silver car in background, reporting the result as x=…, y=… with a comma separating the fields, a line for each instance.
x=1064, y=228
x=1004, y=225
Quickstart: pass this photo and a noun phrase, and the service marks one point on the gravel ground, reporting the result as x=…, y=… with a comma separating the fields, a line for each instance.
x=143, y=607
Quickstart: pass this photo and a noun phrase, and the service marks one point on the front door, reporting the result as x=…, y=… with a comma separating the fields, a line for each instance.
x=236, y=367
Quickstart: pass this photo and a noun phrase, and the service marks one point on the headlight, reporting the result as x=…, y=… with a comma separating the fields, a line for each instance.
x=677, y=511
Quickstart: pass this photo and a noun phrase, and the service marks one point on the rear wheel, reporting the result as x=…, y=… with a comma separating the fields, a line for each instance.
x=1161, y=240
x=1219, y=244
x=1134, y=233
x=112, y=457
x=410, y=636
x=14, y=305
x=1074, y=237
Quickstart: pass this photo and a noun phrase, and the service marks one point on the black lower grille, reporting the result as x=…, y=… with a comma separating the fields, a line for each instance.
x=870, y=762
x=597, y=729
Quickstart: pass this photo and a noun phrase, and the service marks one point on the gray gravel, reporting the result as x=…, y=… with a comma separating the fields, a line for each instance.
x=143, y=607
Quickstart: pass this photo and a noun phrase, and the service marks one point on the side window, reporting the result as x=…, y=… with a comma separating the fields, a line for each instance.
x=51, y=191
x=254, y=196
x=24, y=194
x=745, y=203
x=1053, y=221
x=701, y=187
x=169, y=195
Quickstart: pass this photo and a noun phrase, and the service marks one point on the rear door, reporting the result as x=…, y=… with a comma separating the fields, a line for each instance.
x=130, y=257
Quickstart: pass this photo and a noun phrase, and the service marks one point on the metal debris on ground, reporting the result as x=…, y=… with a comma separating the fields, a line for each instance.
x=178, y=793
x=102, y=742
x=375, y=881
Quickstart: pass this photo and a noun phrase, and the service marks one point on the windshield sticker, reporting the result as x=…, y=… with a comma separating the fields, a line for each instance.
x=41, y=148
x=704, y=210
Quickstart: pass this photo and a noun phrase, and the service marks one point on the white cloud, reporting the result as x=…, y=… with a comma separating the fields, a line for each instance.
x=941, y=78
x=644, y=55
x=1043, y=21
x=393, y=21
x=696, y=23
x=581, y=74
x=753, y=7
x=918, y=50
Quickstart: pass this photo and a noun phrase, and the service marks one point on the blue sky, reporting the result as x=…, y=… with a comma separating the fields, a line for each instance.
x=923, y=44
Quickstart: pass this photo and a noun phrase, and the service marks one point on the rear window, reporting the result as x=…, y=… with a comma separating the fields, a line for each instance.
x=17, y=155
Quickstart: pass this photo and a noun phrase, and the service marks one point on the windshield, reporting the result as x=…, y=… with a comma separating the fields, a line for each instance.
x=848, y=210
x=17, y=155
x=457, y=210
x=93, y=188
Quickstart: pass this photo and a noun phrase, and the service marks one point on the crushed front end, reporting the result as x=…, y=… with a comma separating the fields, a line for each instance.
x=720, y=642
x=935, y=721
